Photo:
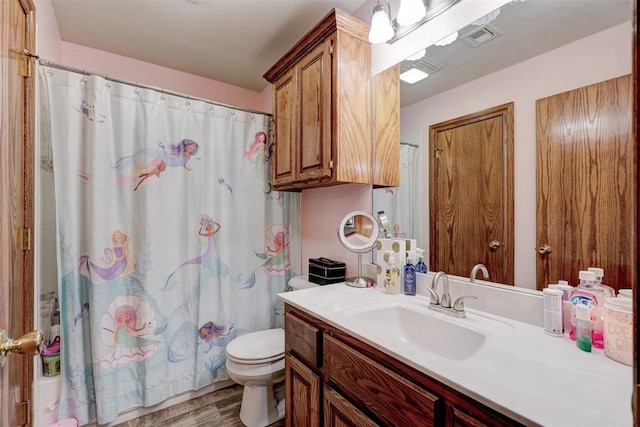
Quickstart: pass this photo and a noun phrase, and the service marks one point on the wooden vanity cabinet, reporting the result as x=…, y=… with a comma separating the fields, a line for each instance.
x=334, y=379
x=322, y=97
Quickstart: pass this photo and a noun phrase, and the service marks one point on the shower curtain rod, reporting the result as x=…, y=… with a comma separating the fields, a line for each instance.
x=410, y=145
x=46, y=63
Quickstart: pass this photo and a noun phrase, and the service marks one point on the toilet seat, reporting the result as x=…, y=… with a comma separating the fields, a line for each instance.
x=257, y=347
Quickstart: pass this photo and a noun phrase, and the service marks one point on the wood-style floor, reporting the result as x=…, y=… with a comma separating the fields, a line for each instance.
x=220, y=409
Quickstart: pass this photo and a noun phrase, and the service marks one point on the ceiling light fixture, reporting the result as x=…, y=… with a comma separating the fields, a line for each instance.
x=410, y=12
x=381, y=29
x=413, y=75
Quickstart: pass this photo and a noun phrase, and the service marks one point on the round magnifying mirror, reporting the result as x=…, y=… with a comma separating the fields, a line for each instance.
x=358, y=232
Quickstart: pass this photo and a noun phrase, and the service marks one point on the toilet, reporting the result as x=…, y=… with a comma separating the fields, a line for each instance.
x=256, y=361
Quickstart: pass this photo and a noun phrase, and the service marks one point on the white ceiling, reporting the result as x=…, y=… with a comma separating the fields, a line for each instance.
x=233, y=41
x=237, y=41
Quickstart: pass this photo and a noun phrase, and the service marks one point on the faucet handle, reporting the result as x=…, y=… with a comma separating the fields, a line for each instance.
x=458, y=304
x=433, y=298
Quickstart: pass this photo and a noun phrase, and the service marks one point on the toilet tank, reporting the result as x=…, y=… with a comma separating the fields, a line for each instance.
x=300, y=282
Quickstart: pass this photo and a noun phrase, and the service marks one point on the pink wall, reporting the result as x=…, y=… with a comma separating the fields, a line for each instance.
x=600, y=57
x=134, y=70
x=322, y=212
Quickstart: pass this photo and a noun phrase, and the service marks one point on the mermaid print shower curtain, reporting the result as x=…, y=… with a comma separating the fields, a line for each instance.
x=170, y=240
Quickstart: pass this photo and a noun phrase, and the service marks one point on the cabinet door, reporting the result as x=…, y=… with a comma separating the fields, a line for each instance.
x=303, y=402
x=339, y=412
x=386, y=394
x=314, y=150
x=463, y=412
x=285, y=99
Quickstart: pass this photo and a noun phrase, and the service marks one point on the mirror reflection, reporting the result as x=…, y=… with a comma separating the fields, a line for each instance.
x=358, y=232
x=526, y=51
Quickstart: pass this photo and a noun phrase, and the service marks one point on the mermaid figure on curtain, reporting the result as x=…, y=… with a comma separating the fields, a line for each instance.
x=124, y=326
x=208, y=228
x=150, y=162
x=276, y=254
x=118, y=260
x=259, y=154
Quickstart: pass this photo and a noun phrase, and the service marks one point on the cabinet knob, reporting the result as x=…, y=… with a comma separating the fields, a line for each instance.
x=494, y=244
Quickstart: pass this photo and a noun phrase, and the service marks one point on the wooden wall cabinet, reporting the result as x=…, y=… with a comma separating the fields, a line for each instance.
x=333, y=379
x=322, y=109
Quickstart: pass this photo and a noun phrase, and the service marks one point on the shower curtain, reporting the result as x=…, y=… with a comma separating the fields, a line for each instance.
x=402, y=204
x=170, y=240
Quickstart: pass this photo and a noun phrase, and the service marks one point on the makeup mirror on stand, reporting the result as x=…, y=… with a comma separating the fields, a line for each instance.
x=358, y=232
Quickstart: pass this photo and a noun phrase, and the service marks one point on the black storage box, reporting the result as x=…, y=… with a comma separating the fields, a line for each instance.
x=324, y=271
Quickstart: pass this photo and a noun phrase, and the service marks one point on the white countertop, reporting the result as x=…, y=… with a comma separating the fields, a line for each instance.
x=527, y=375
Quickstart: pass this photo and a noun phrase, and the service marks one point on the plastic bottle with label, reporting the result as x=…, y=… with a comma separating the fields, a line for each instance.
x=587, y=293
x=392, y=276
x=421, y=267
x=583, y=327
x=409, y=276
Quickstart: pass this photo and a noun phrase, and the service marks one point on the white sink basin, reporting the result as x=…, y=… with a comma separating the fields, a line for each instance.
x=415, y=325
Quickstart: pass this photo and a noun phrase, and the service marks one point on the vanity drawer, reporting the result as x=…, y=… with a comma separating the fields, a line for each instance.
x=303, y=339
x=389, y=396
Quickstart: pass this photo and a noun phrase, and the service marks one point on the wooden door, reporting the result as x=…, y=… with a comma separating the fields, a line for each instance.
x=471, y=194
x=285, y=108
x=16, y=202
x=585, y=152
x=314, y=150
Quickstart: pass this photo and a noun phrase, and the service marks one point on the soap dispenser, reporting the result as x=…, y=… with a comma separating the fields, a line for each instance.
x=392, y=276
x=421, y=267
x=409, y=276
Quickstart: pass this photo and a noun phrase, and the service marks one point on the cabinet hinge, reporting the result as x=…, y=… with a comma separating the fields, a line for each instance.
x=24, y=239
x=23, y=413
x=331, y=164
x=331, y=48
x=25, y=63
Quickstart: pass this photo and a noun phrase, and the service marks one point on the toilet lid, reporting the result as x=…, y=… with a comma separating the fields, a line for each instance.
x=257, y=345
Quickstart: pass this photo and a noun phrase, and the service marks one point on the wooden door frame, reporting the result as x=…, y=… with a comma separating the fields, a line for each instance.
x=21, y=295
x=635, y=126
x=506, y=111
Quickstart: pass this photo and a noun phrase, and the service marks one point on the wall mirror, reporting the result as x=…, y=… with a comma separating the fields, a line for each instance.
x=462, y=80
x=358, y=232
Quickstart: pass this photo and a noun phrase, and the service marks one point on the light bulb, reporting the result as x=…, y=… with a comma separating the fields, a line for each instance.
x=411, y=11
x=381, y=29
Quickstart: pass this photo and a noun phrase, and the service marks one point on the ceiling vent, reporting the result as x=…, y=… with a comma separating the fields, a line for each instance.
x=481, y=36
x=425, y=64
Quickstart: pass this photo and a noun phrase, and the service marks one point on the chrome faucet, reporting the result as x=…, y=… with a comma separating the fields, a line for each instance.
x=443, y=304
x=445, y=300
x=474, y=272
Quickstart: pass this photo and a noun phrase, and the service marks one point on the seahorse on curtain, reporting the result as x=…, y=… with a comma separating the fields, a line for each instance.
x=276, y=254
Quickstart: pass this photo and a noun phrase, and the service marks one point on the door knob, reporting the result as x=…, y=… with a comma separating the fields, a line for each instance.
x=494, y=244
x=544, y=249
x=29, y=344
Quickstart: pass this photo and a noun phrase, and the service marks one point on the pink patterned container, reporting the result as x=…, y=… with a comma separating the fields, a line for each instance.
x=618, y=330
